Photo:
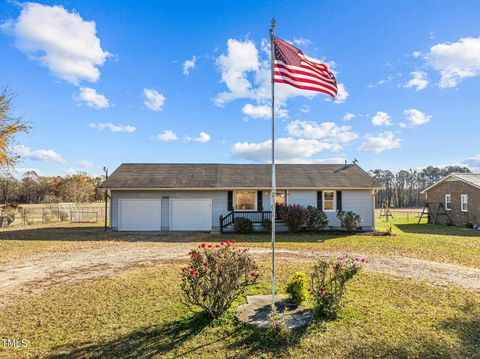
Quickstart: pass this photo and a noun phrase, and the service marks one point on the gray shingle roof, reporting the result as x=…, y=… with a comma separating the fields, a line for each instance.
x=204, y=176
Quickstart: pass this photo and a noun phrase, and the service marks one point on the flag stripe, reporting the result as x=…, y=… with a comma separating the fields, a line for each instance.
x=303, y=78
x=292, y=67
x=300, y=83
x=302, y=87
x=303, y=71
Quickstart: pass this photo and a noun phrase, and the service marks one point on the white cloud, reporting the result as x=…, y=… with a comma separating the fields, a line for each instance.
x=263, y=111
x=381, y=119
x=286, y=149
x=416, y=54
x=379, y=143
x=167, y=135
x=112, y=127
x=380, y=82
x=241, y=57
x=473, y=162
x=87, y=164
x=328, y=131
x=189, y=65
x=342, y=93
x=62, y=41
x=402, y=124
x=416, y=117
x=92, y=98
x=203, y=137
x=419, y=80
x=302, y=41
x=39, y=155
x=455, y=61
x=153, y=99
x=349, y=116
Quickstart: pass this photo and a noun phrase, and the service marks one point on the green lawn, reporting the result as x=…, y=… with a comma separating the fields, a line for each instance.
x=138, y=314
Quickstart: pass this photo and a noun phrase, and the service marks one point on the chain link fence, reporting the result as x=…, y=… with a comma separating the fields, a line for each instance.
x=38, y=214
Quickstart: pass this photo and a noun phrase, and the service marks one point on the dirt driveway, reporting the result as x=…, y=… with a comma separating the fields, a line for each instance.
x=32, y=274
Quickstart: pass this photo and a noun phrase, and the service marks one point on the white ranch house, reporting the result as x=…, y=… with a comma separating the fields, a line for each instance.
x=207, y=197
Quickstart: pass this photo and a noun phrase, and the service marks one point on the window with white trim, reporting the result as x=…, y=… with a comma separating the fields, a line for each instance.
x=245, y=200
x=448, y=202
x=329, y=201
x=464, y=202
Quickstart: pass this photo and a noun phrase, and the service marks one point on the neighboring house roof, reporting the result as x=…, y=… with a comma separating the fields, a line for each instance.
x=469, y=178
x=230, y=176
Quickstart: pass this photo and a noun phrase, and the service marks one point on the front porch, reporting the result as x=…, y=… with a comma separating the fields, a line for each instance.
x=257, y=218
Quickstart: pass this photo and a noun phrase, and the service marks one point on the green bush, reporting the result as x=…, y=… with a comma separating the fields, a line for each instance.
x=267, y=225
x=349, y=220
x=216, y=276
x=328, y=281
x=293, y=215
x=315, y=219
x=243, y=225
x=297, y=288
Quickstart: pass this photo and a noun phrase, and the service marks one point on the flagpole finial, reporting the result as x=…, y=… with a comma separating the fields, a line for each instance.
x=273, y=23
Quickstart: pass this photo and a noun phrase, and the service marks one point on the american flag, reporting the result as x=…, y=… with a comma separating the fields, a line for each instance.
x=292, y=67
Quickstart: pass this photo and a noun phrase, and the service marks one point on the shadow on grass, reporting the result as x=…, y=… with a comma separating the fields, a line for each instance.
x=96, y=233
x=252, y=341
x=438, y=229
x=147, y=342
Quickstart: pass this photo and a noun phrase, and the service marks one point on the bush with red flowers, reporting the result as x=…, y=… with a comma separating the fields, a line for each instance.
x=328, y=281
x=216, y=276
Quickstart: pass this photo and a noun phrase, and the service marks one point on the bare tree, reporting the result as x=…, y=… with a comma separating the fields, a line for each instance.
x=10, y=126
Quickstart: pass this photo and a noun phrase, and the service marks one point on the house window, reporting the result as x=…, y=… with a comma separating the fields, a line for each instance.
x=464, y=202
x=245, y=200
x=280, y=197
x=448, y=202
x=329, y=200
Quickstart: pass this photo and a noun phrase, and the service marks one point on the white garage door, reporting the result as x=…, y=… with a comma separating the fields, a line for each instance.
x=191, y=215
x=139, y=214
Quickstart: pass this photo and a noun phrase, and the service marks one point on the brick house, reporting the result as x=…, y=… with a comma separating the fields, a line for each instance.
x=459, y=193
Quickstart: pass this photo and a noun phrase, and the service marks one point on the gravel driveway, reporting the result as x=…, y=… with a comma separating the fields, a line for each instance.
x=24, y=276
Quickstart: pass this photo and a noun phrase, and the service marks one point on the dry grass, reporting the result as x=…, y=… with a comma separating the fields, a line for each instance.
x=138, y=314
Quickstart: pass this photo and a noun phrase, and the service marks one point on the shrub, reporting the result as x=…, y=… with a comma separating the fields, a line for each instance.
x=315, y=219
x=348, y=220
x=267, y=225
x=297, y=288
x=328, y=281
x=216, y=276
x=243, y=225
x=469, y=225
x=278, y=326
x=293, y=215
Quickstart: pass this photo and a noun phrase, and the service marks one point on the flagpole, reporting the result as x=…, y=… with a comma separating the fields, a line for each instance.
x=274, y=190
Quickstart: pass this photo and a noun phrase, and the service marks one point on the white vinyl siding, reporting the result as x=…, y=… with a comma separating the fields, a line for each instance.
x=464, y=202
x=448, y=202
x=304, y=198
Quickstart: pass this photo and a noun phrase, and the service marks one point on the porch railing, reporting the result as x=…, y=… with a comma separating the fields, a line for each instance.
x=254, y=216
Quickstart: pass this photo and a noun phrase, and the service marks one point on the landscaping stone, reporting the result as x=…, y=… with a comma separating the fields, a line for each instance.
x=258, y=308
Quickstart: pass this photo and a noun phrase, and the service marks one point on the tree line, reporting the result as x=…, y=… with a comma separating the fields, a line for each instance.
x=403, y=188
x=32, y=188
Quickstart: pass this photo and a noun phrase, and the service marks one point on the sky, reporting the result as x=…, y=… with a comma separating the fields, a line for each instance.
x=108, y=82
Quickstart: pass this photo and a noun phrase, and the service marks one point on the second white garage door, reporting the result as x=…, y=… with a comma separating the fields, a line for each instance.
x=191, y=214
